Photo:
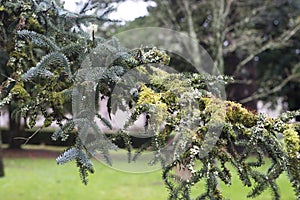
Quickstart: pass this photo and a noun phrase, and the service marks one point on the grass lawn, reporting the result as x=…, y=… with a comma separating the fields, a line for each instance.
x=40, y=178
x=43, y=179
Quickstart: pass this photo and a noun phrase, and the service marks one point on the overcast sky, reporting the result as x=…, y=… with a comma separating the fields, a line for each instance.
x=126, y=11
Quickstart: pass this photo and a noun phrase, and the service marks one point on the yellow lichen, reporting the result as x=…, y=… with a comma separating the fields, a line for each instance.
x=170, y=98
x=216, y=108
x=33, y=24
x=19, y=91
x=58, y=97
x=235, y=113
x=292, y=141
x=148, y=96
x=142, y=69
x=2, y=8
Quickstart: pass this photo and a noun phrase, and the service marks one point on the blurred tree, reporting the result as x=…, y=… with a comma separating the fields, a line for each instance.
x=279, y=70
x=9, y=22
x=238, y=34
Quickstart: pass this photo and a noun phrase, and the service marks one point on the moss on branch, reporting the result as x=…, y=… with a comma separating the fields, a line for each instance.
x=243, y=134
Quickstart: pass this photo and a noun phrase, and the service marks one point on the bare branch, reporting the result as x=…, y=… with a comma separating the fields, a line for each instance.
x=247, y=19
x=29, y=138
x=272, y=44
x=275, y=89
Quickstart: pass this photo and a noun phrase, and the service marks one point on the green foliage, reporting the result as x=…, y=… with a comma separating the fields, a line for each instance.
x=82, y=160
x=243, y=134
x=38, y=40
x=54, y=38
x=45, y=88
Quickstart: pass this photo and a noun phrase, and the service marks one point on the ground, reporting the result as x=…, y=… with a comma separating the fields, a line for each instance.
x=31, y=151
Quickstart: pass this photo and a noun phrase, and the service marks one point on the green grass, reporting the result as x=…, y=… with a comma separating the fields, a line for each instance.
x=237, y=192
x=42, y=179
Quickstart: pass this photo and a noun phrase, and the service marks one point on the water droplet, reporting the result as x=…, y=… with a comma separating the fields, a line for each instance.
x=225, y=43
x=276, y=22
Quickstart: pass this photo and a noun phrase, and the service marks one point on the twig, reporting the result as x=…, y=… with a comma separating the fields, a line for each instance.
x=29, y=138
x=272, y=44
x=275, y=89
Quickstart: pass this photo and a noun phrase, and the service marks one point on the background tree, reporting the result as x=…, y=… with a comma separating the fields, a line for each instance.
x=9, y=21
x=243, y=37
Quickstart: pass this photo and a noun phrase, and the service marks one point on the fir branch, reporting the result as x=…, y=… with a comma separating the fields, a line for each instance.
x=38, y=39
x=73, y=49
x=37, y=72
x=68, y=155
x=63, y=132
x=42, y=68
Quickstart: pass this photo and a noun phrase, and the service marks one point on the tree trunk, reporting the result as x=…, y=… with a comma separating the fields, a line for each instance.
x=1, y=158
x=15, y=130
x=294, y=98
x=239, y=91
